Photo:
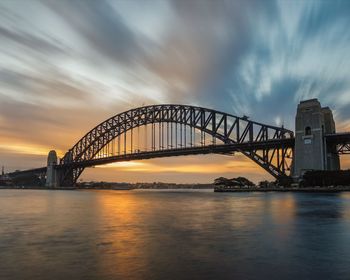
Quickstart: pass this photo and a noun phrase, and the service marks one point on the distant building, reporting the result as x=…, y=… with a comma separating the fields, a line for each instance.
x=5, y=180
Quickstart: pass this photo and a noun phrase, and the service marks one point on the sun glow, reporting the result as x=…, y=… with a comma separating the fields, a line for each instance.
x=124, y=164
x=25, y=149
x=205, y=168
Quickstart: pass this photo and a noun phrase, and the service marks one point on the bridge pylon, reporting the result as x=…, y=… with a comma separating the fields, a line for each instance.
x=312, y=152
x=52, y=173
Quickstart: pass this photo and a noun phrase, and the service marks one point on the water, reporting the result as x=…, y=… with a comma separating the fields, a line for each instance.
x=173, y=235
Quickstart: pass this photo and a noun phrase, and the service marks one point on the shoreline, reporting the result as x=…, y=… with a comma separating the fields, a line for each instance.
x=215, y=189
x=36, y=188
x=307, y=190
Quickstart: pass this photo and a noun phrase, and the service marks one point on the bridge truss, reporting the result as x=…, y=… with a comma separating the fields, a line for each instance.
x=343, y=149
x=339, y=142
x=172, y=130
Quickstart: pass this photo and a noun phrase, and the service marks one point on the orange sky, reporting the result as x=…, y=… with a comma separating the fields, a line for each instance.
x=25, y=145
x=67, y=66
x=183, y=169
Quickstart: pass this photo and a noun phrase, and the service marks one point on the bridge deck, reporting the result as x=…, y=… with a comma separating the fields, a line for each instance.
x=226, y=149
x=29, y=171
x=338, y=138
x=211, y=149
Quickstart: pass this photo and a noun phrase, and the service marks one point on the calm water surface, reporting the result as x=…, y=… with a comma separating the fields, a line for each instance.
x=173, y=235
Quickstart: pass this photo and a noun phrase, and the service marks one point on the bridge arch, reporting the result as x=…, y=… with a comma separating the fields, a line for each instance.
x=227, y=128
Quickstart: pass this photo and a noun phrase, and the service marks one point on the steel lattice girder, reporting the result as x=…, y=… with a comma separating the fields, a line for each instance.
x=228, y=128
x=343, y=149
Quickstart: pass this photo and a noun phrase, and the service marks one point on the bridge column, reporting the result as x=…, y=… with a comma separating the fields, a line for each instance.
x=311, y=153
x=52, y=178
x=331, y=155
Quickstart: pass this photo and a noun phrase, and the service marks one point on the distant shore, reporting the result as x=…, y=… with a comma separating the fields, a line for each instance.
x=186, y=187
x=279, y=189
x=35, y=188
x=117, y=186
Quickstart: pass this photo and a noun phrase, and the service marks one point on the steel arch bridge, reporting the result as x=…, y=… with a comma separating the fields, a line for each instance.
x=172, y=130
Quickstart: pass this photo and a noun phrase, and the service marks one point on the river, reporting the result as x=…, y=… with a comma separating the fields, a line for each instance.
x=191, y=234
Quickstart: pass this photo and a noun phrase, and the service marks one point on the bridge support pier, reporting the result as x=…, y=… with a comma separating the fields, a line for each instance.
x=52, y=174
x=311, y=152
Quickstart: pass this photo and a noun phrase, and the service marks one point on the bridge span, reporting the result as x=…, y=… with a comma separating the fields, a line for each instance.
x=177, y=130
x=224, y=149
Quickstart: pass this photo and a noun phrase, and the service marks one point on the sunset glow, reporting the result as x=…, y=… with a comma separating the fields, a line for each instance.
x=66, y=66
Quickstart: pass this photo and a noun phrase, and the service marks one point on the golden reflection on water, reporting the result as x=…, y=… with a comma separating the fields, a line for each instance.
x=243, y=211
x=167, y=234
x=282, y=210
x=121, y=235
x=346, y=197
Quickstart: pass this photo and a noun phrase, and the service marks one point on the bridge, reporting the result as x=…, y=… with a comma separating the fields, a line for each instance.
x=177, y=130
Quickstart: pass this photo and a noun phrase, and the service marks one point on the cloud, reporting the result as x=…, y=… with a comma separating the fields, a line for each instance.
x=37, y=88
x=65, y=66
x=101, y=28
x=48, y=45
x=298, y=51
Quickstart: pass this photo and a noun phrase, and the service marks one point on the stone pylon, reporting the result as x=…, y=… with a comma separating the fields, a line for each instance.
x=52, y=180
x=311, y=152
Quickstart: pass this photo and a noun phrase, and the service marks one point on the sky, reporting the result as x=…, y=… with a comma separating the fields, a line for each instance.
x=66, y=66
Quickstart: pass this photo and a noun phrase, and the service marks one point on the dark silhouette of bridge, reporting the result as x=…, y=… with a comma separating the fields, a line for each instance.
x=176, y=130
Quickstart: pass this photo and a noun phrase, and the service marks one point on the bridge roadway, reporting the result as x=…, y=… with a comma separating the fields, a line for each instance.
x=338, y=138
x=225, y=149
x=40, y=170
x=342, y=139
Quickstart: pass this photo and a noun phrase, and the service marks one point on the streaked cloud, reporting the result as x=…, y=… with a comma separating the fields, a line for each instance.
x=67, y=65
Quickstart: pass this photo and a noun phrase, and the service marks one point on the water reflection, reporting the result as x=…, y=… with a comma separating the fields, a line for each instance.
x=173, y=235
